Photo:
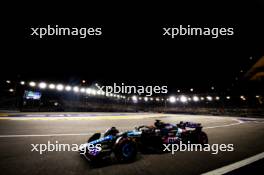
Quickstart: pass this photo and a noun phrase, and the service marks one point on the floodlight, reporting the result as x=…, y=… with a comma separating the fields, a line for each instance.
x=68, y=88
x=209, y=98
x=93, y=92
x=11, y=90
x=52, y=86
x=134, y=98
x=42, y=85
x=32, y=84
x=82, y=90
x=76, y=89
x=183, y=99
x=172, y=99
x=59, y=87
x=242, y=97
x=195, y=98
x=88, y=91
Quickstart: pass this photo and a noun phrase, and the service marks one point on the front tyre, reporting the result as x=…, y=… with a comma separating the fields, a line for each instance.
x=126, y=151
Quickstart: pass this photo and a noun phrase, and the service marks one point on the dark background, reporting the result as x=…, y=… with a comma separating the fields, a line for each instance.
x=132, y=48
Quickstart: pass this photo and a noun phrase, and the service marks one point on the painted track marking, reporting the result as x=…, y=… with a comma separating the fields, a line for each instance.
x=236, y=165
x=221, y=126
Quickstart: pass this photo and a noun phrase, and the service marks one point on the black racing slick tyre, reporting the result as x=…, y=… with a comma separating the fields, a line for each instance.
x=195, y=138
x=202, y=138
x=126, y=151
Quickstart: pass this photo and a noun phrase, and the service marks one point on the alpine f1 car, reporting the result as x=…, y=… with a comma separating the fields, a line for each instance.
x=125, y=145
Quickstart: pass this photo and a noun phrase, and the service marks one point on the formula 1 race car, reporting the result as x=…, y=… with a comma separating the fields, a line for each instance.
x=125, y=145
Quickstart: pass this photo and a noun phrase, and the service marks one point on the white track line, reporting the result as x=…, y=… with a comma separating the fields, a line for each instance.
x=122, y=129
x=234, y=166
x=220, y=126
x=45, y=135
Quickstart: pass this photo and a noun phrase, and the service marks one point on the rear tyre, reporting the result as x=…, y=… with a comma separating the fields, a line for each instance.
x=195, y=138
x=202, y=138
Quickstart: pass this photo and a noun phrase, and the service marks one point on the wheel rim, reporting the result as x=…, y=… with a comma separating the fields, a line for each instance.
x=127, y=150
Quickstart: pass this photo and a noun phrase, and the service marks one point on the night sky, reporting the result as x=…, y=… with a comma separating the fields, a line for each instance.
x=132, y=48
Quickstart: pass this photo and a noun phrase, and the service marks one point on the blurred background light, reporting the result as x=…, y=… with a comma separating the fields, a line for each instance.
x=52, y=86
x=59, y=87
x=172, y=99
x=32, y=84
x=42, y=85
x=183, y=99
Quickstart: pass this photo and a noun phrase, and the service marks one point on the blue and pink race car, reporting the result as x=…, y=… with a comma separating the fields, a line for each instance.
x=125, y=145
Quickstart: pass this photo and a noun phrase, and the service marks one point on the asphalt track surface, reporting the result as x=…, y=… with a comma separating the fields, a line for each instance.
x=19, y=130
